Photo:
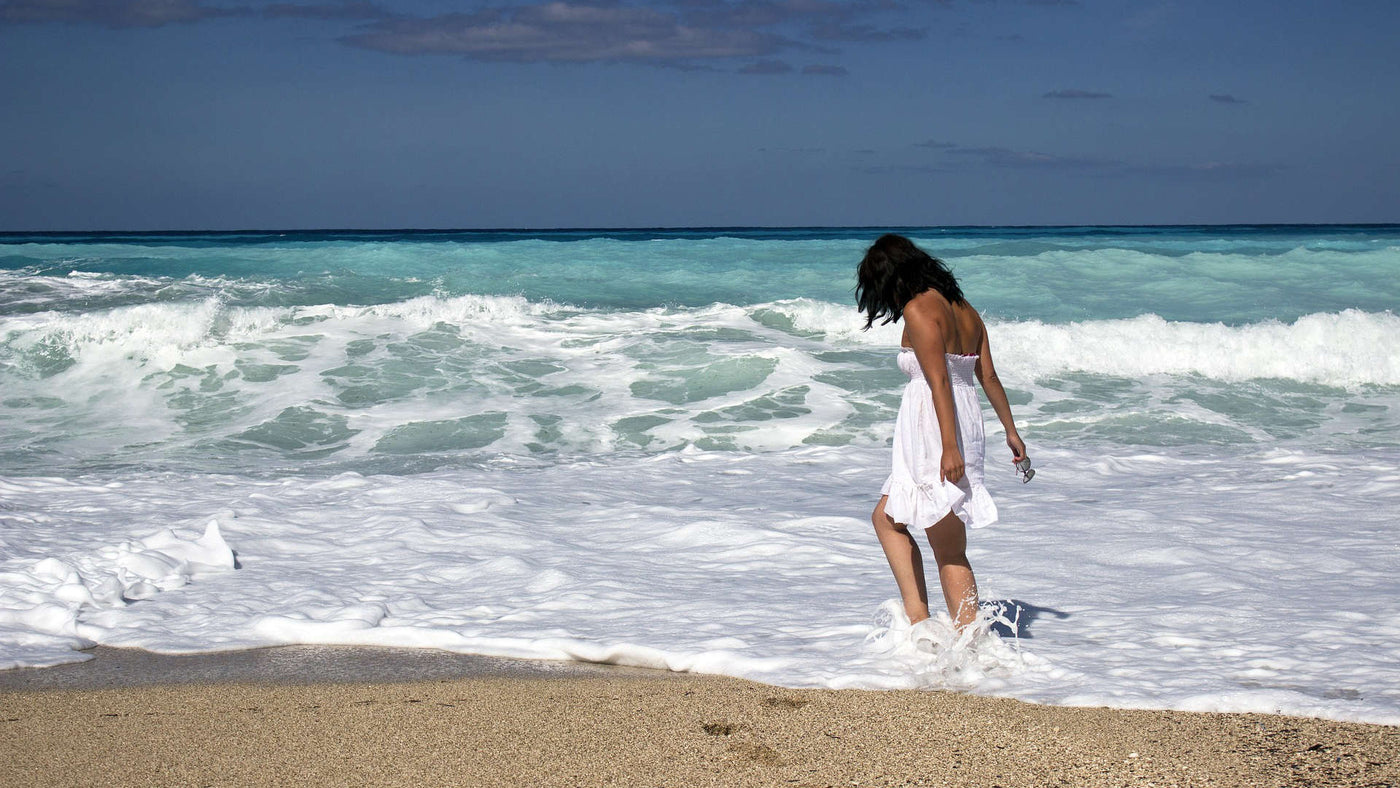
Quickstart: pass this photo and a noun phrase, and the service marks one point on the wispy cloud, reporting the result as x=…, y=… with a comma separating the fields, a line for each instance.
x=564, y=32
x=902, y=169
x=683, y=34
x=1011, y=158
x=1212, y=169
x=955, y=156
x=110, y=13
x=343, y=10
x=842, y=31
x=822, y=20
x=598, y=30
x=1226, y=98
x=767, y=67
x=1074, y=93
x=1026, y=159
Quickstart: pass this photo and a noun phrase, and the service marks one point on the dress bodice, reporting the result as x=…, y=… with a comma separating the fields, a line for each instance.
x=962, y=370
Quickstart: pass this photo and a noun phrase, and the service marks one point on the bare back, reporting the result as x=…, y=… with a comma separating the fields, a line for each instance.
x=962, y=327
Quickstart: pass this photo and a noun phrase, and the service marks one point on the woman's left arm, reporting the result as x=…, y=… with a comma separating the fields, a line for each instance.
x=996, y=395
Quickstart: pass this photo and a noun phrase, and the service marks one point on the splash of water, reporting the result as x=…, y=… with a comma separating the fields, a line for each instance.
x=940, y=655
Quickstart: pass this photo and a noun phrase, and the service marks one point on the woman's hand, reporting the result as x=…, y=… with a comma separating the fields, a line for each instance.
x=950, y=468
x=1017, y=446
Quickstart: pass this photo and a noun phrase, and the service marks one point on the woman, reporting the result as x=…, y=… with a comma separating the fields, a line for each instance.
x=936, y=477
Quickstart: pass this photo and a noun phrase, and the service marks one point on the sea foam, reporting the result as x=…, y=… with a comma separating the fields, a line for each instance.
x=660, y=448
x=1127, y=579
x=472, y=377
x=51, y=606
x=1345, y=348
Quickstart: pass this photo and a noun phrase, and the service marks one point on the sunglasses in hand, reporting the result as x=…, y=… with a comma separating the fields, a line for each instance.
x=1023, y=467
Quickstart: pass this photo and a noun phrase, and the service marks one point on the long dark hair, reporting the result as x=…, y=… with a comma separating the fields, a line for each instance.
x=892, y=272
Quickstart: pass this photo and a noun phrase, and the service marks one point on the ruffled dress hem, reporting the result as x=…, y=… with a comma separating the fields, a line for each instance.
x=917, y=497
x=917, y=505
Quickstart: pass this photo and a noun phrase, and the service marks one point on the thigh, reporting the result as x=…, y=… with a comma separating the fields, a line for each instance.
x=883, y=521
x=948, y=538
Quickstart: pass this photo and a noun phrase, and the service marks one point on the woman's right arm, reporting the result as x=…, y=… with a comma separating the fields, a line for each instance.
x=925, y=321
x=987, y=376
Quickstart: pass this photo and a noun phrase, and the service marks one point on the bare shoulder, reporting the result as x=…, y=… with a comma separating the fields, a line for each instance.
x=929, y=321
x=972, y=316
x=970, y=329
x=929, y=305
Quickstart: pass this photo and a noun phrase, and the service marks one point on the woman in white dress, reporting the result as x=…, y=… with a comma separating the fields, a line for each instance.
x=935, y=481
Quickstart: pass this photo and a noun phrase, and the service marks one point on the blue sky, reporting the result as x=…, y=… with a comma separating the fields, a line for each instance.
x=221, y=114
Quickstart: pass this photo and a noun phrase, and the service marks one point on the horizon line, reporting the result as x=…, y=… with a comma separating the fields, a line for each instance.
x=677, y=228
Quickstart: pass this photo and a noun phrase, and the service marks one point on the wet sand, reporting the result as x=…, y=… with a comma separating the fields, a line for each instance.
x=316, y=716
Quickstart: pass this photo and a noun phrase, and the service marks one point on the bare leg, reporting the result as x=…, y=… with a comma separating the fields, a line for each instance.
x=906, y=562
x=948, y=538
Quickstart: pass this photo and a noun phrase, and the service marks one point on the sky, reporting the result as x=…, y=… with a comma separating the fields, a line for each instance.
x=235, y=114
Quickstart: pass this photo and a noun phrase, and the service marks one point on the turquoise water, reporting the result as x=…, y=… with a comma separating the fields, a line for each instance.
x=403, y=351
x=660, y=448
x=1231, y=274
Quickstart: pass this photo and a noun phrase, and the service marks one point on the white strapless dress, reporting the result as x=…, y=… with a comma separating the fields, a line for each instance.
x=917, y=498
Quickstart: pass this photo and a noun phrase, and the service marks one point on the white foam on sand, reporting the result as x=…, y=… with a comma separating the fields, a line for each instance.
x=1204, y=579
x=52, y=606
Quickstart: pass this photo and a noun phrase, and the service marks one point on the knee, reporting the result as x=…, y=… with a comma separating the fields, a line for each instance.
x=950, y=557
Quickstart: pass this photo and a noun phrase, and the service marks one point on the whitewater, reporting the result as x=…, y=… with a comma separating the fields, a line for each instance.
x=660, y=448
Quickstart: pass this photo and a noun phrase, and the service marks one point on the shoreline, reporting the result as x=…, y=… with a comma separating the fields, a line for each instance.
x=208, y=719
x=127, y=668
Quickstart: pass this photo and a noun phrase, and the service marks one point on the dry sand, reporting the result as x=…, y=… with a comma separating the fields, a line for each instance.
x=636, y=728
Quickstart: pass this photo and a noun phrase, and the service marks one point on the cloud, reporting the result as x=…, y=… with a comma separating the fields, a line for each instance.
x=603, y=31
x=110, y=13
x=1025, y=159
x=997, y=156
x=902, y=169
x=682, y=34
x=960, y=156
x=840, y=31
x=684, y=65
x=1058, y=3
x=1235, y=169
x=1213, y=170
x=348, y=9
x=1073, y=93
x=1226, y=98
x=823, y=20
x=767, y=67
x=564, y=32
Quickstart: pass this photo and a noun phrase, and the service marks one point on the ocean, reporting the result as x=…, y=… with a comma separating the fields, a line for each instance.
x=661, y=448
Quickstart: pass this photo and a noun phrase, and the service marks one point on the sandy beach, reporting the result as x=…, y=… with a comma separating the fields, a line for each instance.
x=515, y=723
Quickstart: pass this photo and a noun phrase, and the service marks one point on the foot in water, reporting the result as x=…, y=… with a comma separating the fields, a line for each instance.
x=941, y=654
